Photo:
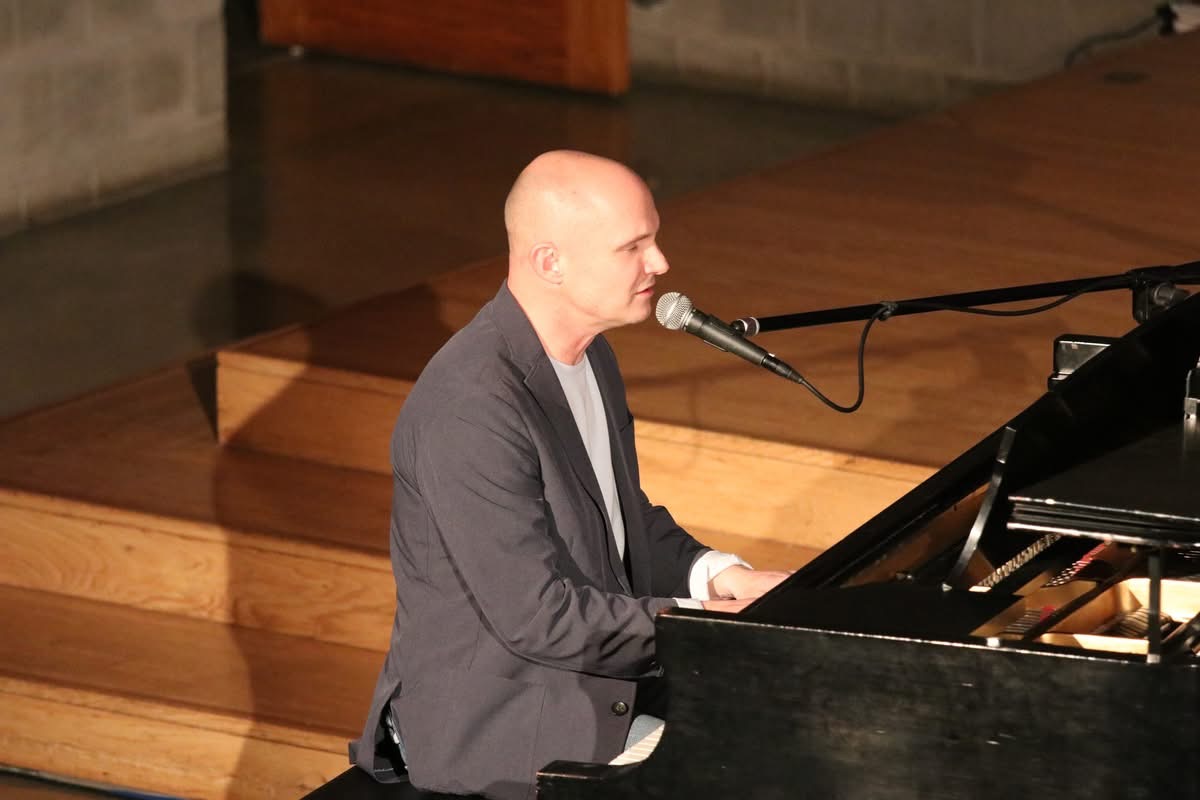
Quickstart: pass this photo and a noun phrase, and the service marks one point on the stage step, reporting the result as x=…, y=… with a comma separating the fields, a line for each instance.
x=329, y=393
x=125, y=497
x=168, y=704
x=147, y=511
x=186, y=618
x=969, y=199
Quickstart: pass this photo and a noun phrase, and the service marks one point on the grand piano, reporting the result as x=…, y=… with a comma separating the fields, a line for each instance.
x=1026, y=621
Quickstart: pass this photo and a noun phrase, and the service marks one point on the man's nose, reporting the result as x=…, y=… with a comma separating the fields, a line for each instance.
x=656, y=262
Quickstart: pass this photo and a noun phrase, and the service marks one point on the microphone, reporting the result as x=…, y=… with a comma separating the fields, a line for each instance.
x=676, y=312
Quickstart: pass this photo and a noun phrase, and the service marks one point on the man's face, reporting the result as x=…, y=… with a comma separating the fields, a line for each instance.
x=612, y=259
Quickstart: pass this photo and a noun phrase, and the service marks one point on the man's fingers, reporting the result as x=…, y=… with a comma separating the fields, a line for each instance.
x=727, y=606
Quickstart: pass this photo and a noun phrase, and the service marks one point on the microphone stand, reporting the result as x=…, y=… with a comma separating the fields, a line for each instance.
x=1153, y=291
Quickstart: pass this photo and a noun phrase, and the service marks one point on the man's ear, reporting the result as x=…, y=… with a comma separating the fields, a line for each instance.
x=544, y=258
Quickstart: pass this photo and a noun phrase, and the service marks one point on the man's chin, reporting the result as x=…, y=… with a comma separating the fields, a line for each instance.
x=637, y=311
x=640, y=314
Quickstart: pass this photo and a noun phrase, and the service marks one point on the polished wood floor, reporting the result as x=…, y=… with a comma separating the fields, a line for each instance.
x=1085, y=174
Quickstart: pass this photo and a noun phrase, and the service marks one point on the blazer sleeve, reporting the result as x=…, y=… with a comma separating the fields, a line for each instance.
x=673, y=551
x=479, y=476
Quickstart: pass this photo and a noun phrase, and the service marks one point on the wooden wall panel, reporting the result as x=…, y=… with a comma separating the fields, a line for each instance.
x=581, y=44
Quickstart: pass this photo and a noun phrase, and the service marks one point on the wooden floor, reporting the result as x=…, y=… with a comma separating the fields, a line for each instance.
x=206, y=619
x=1084, y=174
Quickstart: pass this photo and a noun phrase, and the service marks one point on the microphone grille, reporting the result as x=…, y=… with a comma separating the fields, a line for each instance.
x=672, y=310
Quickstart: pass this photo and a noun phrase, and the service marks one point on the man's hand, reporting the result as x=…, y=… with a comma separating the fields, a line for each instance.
x=741, y=583
x=728, y=606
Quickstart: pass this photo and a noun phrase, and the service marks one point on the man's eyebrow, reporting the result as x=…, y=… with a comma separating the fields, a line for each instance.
x=635, y=240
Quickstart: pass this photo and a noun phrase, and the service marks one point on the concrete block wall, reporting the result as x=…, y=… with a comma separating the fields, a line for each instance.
x=891, y=56
x=102, y=98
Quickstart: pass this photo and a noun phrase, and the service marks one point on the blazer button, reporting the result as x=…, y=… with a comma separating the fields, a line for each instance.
x=620, y=708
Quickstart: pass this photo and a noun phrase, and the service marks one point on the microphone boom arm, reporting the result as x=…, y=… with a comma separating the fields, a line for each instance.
x=1148, y=284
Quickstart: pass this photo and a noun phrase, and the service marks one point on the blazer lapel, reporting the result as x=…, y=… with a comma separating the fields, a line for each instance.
x=543, y=383
x=636, y=546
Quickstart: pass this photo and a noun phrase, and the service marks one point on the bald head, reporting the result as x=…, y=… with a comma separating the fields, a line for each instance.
x=562, y=190
x=582, y=251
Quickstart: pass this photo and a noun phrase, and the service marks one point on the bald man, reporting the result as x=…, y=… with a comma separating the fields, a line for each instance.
x=529, y=564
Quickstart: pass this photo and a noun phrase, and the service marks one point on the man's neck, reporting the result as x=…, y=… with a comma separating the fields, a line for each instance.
x=561, y=339
x=568, y=352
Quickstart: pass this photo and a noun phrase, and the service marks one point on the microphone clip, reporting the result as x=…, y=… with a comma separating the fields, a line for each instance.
x=886, y=309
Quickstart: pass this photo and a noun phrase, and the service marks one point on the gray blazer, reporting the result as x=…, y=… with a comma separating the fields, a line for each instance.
x=519, y=634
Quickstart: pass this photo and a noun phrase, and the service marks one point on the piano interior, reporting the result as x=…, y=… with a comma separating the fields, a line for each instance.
x=1097, y=600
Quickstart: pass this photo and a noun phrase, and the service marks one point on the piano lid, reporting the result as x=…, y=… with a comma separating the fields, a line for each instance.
x=1146, y=492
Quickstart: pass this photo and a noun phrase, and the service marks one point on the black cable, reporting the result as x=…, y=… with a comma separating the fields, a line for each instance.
x=1115, y=282
x=886, y=309
x=889, y=307
x=1163, y=16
